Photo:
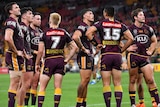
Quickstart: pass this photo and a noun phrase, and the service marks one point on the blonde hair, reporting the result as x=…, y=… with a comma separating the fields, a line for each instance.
x=55, y=18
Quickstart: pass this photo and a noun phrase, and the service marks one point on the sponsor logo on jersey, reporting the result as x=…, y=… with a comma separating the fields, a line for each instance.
x=142, y=38
x=54, y=32
x=108, y=24
x=35, y=40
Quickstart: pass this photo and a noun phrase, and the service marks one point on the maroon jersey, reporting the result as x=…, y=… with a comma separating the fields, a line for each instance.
x=54, y=41
x=83, y=28
x=18, y=37
x=25, y=31
x=35, y=37
x=110, y=33
x=142, y=37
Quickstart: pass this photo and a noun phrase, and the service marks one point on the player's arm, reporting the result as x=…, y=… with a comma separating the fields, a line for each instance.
x=90, y=35
x=129, y=37
x=153, y=45
x=39, y=55
x=73, y=47
x=76, y=37
x=9, y=39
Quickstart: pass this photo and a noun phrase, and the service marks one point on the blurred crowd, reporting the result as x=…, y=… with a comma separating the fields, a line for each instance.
x=70, y=9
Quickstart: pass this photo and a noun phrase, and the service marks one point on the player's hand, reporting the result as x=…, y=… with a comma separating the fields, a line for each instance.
x=20, y=53
x=149, y=52
x=98, y=48
x=65, y=61
x=37, y=68
x=132, y=48
x=87, y=51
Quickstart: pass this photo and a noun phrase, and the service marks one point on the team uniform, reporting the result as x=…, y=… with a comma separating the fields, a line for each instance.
x=27, y=47
x=35, y=36
x=54, y=41
x=140, y=58
x=142, y=40
x=14, y=62
x=110, y=35
x=85, y=61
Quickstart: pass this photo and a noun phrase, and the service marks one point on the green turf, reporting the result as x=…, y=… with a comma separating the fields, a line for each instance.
x=69, y=90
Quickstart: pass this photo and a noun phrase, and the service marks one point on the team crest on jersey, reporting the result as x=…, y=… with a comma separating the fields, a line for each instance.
x=135, y=31
x=142, y=38
x=146, y=31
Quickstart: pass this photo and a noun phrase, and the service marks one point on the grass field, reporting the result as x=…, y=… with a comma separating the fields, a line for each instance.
x=69, y=90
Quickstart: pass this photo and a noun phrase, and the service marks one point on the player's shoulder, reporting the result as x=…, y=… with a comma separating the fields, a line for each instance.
x=11, y=22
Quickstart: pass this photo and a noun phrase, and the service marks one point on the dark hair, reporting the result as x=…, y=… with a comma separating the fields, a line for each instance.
x=84, y=11
x=135, y=13
x=109, y=10
x=8, y=7
x=25, y=9
x=36, y=13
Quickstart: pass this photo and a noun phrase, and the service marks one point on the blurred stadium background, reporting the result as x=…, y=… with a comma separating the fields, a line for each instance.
x=70, y=9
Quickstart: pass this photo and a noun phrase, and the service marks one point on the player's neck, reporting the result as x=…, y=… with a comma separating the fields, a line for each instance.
x=87, y=22
x=32, y=26
x=54, y=26
x=14, y=17
x=138, y=24
x=25, y=21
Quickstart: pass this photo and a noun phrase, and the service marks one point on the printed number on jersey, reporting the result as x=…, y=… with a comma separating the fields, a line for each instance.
x=55, y=40
x=112, y=33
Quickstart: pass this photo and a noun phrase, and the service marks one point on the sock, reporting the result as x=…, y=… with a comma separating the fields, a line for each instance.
x=11, y=98
x=141, y=100
x=79, y=102
x=132, y=95
x=27, y=98
x=154, y=93
x=107, y=95
x=19, y=105
x=118, y=92
x=33, y=96
x=84, y=103
x=57, y=96
x=41, y=96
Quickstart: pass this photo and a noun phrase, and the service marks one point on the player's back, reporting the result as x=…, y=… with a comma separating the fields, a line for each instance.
x=54, y=41
x=110, y=34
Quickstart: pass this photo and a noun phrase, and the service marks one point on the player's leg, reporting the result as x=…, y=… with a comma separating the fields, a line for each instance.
x=149, y=78
x=118, y=92
x=44, y=79
x=57, y=86
x=26, y=82
x=133, y=73
x=106, y=79
x=34, y=86
x=140, y=90
x=81, y=93
x=13, y=86
x=93, y=81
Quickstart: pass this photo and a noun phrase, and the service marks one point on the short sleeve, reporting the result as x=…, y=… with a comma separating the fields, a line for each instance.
x=68, y=37
x=11, y=24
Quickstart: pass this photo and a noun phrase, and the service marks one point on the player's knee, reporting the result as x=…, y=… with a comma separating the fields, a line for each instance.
x=150, y=81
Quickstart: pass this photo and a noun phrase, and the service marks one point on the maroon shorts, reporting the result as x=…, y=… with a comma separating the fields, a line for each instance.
x=29, y=65
x=14, y=62
x=53, y=66
x=110, y=61
x=135, y=60
x=85, y=62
